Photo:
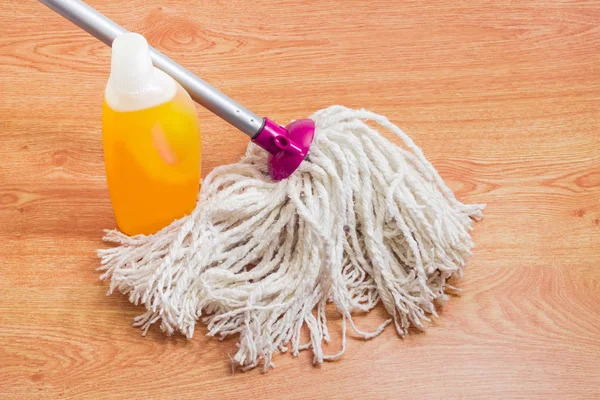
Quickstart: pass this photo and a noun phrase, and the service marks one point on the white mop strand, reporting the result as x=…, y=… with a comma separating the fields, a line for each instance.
x=361, y=221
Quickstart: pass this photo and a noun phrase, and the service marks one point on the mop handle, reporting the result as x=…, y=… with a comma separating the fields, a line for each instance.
x=210, y=98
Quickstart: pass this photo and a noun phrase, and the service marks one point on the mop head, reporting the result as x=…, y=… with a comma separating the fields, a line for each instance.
x=362, y=221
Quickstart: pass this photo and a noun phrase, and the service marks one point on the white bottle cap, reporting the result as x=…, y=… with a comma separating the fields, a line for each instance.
x=131, y=70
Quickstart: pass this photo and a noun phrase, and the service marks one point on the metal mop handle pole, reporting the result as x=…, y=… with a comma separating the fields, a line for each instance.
x=210, y=98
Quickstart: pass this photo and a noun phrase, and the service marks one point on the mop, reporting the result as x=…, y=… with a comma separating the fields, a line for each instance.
x=331, y=215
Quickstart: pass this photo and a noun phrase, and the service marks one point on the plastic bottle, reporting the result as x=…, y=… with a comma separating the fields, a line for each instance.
x=151, y=141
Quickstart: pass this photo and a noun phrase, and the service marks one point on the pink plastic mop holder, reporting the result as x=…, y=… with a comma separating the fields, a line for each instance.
x=287, y=146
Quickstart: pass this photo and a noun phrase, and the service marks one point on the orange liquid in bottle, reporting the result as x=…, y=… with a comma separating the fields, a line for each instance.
x=152, y=159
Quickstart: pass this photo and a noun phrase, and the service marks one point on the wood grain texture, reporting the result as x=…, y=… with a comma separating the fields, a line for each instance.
x=503, y=97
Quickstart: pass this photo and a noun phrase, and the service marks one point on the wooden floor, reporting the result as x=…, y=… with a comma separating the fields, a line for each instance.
x=503, y=97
